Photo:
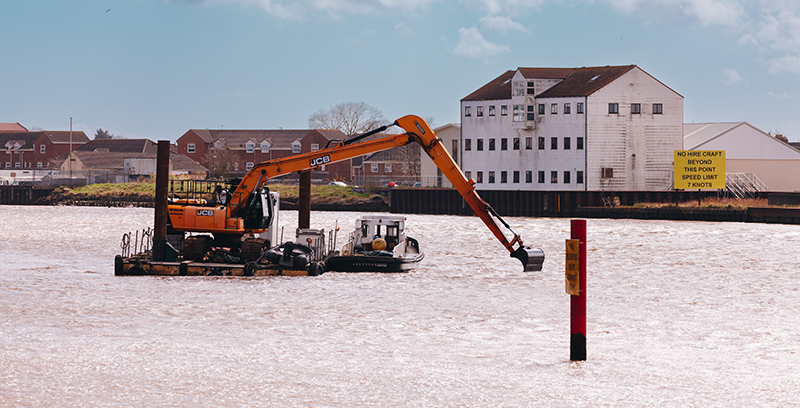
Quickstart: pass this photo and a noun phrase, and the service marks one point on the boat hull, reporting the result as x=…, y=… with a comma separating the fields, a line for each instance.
x=383, y=264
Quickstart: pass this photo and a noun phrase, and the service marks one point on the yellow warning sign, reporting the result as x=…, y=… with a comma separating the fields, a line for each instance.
x=573, y=267
x=699, y=169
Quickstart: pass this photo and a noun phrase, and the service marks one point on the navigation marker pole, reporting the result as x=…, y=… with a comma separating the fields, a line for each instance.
x=576, y=271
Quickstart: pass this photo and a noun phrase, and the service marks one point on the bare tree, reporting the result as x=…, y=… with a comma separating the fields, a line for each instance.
x=781, y=137
x=351, y=118
x=220, y=162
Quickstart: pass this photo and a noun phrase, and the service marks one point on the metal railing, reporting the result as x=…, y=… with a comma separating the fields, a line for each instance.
x=743, y=185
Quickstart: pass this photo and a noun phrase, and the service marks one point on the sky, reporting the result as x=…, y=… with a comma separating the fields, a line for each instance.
x=157, y=68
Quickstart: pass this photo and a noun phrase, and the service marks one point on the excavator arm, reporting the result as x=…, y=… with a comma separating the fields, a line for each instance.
x=416, y=130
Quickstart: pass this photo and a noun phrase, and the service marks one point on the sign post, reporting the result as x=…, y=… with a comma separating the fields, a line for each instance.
x=577, y=246
x=700, y=169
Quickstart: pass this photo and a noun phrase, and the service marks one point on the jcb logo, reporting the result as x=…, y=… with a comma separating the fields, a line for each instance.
x=320, y=161
x=205, y=213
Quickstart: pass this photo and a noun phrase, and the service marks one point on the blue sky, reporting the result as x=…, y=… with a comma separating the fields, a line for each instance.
x=156, y=68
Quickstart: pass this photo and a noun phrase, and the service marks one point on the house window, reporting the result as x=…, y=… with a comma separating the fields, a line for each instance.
x=249, y=147
x=530, y=113
x=519, y=88
x=567, y=109
x=468, y=175
x=373, y=167
x=554, y=109
x=518, y=113
x=541, y=109
x=528, y=143
x=296, y=146
x=579, y=107
x=467, y=145
x=613, y=108
x=580, y=144
x=516, y=143
x=480, y=177
x=190, y=148
x=455, y=150
x=236, y=166
x=8, y=165
x=16, y=165
x=541, y=176
x=503, y=110
x=528, y=176
x=39, y=165
x=480, y=145
x=264, y=147
x=541, y=143
x=467, y=111
x=553, y=177
x=503, y=144
x=579, y=177
x=42, y=148
x=314, y=147
x=553, y=143
x=248, y=166
x=567, y=143
x=566, y=177
x=531, y=88
x=491, y=144
x=636, y=108
x=491, y=177
x=387, y=168
x=516, y=176
x=606, y=172
x=503, y=177
x=479, y=110
x=658, y=109
x=491, y=110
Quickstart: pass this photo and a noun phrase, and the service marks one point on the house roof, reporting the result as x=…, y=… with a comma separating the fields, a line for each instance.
x=279, y=138
x=582, y=81
x=407, y=153
x=449, y=125
x=115, y=160
x=25, y=139
x=12, y=127
x=63, y=136
x=120, y=146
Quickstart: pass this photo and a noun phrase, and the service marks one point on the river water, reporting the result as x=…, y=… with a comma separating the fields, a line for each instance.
x=679, y=314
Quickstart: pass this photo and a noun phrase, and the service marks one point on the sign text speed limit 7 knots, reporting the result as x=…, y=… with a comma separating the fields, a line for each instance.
x=699, y=169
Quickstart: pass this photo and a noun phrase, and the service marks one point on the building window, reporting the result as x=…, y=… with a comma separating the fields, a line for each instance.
x=480, y=145
x=503, y=144
x=42, y=148
x=264, y=147
x=491, y=177
x=541, y=109
x=467, y=145
x=8, y=165
x=541, y=176
x=491, y=144
x=541, y=143
x=528, y=143
x=528, y=176
x=236, y=166
x=479, y=110
x=580, y=144
x=553, y=143
x=387, y=167
x=468, y=175
x=658, y=109
x=606, y=172
x=39, y=165
x=190, y=148
x=467, y=111
x=579, y=107
x=503, y=177
x=613, y=108
x=480, y=177
x=567, y=109
x=249, y=147
x=519, y=88
x=516, y=176
x=491, y=110
x=636, y=108
x=296, y=147
x=373, y=167
x=554, y=109
x=530, y=113
x=248, y=166
x=553, y=177
x=518, y=113
x=455, y=150
x=503, y=110
x=567, y=143
x=566, y=177
x=16, y=165
x=579, y=177
x=531, y=88
x=314, y=147
x=516, y=143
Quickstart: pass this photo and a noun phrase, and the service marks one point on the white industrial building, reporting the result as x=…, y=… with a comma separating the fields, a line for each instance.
x=748, y=151
x=590, y=128
x=431, y=175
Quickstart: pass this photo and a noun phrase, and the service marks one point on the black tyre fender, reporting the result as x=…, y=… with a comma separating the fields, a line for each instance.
x=118, y=263
x=316, y=268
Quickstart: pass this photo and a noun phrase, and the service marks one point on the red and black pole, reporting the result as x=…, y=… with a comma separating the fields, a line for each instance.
x=577, y=344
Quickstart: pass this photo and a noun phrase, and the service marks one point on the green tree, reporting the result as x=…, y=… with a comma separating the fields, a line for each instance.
x=103, y=134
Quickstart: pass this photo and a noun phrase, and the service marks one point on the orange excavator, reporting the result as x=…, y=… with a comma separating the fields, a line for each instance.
x=248, y=209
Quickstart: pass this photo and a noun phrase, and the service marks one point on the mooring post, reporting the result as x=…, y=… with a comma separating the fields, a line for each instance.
x=577, y=346
x=304, y=201
x=162, y=183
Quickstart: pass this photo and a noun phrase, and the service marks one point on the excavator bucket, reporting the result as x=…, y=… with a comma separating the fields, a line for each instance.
x=531, y=258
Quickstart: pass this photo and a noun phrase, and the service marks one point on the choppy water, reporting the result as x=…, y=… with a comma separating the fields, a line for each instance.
x=679, y=314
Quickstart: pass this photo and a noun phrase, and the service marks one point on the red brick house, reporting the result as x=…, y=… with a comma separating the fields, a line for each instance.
x=256, y=146
x=27, y=150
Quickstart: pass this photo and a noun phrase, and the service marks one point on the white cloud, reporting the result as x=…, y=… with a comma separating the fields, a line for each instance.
x=732, y=77
x=787, y=63
x=728, y=13
x=402, y=28
x=298, y=9
x=472, y=44
x=502, y=24
x=506, y=6
x=782, y=95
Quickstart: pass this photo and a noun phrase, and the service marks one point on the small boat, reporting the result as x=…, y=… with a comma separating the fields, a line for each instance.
x=378, y=244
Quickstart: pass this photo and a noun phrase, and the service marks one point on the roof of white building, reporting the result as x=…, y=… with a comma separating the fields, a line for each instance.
x=740, y=140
